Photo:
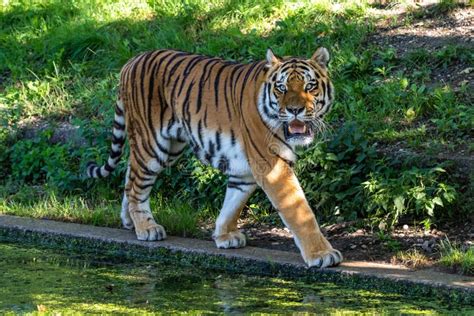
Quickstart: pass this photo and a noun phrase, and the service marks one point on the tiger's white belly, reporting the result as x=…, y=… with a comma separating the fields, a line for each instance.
x=217, y=149
x=229, y=157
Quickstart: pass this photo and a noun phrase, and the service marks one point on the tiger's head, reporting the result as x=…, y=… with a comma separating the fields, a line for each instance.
x=298, y=93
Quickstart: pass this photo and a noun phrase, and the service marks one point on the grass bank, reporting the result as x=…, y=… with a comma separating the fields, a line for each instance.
x=59, y=68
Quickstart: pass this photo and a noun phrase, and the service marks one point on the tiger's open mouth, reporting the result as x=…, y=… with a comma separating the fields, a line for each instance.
x=297, y=128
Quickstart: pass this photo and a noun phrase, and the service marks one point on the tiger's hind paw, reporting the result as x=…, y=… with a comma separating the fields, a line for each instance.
x=151, y=233
x=323, y=259
x=233, y=239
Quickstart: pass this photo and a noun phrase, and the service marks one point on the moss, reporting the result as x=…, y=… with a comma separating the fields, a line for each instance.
x=218, y=263
x=61, y=281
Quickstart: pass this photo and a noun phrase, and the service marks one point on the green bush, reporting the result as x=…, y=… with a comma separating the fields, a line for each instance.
x=346, y=179
x=36, y=161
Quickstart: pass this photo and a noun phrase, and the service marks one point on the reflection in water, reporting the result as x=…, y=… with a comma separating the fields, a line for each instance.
x=64, y=282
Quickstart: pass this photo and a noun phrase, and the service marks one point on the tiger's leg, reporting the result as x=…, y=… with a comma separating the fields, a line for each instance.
x=125, y=214
x=144, y=169
x=283, y=189
x=238, y=191
x=176, y=149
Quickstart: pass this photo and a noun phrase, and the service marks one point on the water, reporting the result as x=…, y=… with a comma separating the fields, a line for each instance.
x=60, y=282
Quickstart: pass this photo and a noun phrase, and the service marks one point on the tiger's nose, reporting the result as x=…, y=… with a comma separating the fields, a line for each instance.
x=295, y=111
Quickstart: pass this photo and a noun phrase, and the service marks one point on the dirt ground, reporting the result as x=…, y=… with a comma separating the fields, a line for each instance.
x=364, y=244
x=408, y=30
x=404, y=32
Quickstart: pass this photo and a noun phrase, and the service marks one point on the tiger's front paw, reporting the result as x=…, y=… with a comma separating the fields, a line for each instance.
x=151, y=233
x=233, y=239
x=323, y=259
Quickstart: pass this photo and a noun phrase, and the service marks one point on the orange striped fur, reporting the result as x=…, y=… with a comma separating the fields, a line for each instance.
x=244, y=119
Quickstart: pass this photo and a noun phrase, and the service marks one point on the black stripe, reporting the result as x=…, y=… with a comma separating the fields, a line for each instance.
x=260, y=67
x=234, y=82
x=173, y=69
x=238, y=183
x=115, y=154
x=232, y=137
x=118, y=110
x=108, y=167
x=143, y=178
x=216, y=85
x=329, y=91
x=204, y=76
x=97, y=173
x=212, y=151
x=117, y=139
x=218, y=140
x=199, y=132
x=244, y=82
x=253, y=143
x=119, y=126
x=235, y=187
x=226, y=100
x=144, y=186
x=188, y=69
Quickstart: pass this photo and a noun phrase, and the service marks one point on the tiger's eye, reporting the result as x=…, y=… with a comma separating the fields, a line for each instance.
x=311, y=86
x=280, y=87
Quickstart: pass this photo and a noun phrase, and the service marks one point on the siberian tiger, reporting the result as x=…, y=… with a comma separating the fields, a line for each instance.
x=244, y=119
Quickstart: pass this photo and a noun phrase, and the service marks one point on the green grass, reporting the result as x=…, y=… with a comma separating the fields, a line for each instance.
x=454, y=258
x=59, y=63
x=411, y=258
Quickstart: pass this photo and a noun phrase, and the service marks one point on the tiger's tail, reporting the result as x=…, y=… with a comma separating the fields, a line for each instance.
x=118, y=140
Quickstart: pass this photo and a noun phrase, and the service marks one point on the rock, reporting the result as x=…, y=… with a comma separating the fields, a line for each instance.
x=405, y=227
x=353, y=246
x=359, y=232
x=466, y=71
x=426, y=246
x=364, y=246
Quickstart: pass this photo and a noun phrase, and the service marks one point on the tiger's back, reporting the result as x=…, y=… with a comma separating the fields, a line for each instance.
x=176, y=97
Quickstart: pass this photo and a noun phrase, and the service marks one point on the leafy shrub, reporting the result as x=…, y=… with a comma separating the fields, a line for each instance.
x=344, y=178
x=37, y=161
x=416, y=191
x=332, y=172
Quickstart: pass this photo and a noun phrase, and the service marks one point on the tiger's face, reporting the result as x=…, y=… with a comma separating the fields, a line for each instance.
x=303, y=94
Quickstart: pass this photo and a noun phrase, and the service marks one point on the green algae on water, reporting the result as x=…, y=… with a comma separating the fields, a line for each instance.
x=61, y=282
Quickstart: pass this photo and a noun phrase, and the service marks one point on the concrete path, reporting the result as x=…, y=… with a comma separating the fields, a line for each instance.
x=249, y=259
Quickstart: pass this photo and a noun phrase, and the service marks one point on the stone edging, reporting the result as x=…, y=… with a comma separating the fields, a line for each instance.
x=250, y=260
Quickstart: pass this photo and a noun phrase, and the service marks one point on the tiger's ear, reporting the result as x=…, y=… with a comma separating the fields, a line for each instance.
x=321, y=56
x=272, y=60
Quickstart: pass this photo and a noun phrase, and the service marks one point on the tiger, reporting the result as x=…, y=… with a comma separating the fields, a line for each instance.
x=245, y=119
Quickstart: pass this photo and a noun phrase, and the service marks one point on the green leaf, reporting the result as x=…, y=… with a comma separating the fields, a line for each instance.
x=437, y=200
x=399, y=202
x=331, y=156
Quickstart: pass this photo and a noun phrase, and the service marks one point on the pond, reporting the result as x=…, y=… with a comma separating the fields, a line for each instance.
x=33, y=279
